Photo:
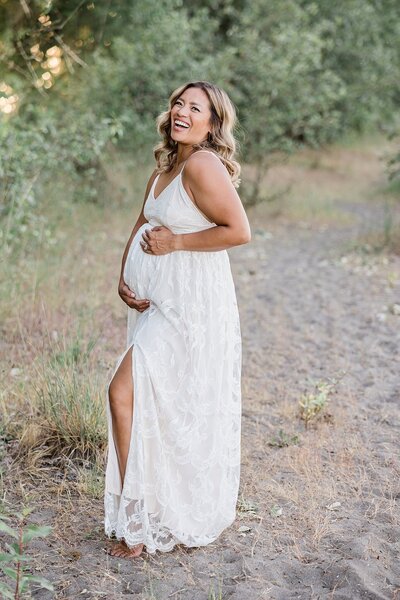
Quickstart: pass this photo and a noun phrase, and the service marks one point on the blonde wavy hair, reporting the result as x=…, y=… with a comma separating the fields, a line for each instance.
x=220, y=140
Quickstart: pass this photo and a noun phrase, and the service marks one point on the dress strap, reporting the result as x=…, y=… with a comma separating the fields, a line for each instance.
x=197, y=151
x=153, y=185
x=184, y=163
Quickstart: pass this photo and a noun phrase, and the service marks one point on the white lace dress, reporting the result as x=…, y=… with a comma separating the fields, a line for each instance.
x=182, y=475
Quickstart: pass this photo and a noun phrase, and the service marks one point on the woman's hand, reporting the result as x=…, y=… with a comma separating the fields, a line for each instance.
x=158, y=240
x=129, y=297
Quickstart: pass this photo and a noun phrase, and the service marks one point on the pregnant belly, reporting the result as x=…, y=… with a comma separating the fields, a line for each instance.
x=141, y=269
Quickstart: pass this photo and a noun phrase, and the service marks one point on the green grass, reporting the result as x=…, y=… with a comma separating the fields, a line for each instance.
x=69, y=401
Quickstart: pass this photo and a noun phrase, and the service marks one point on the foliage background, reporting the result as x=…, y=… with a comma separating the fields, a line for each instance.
x=80, y=79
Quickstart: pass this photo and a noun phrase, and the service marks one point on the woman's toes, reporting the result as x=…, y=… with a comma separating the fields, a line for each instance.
x=135, y=551
x=116, y=549
x=122, y=550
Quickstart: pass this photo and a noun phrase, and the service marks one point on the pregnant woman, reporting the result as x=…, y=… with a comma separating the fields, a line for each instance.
x=174, y=400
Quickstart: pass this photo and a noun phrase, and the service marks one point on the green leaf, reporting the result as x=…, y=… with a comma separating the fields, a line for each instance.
x=6, y=558
x=45, y=583
x=12, y=548
x=14, y=552
x=33, y=531
x=6, y=529
x=10, y=572
x=27, y=511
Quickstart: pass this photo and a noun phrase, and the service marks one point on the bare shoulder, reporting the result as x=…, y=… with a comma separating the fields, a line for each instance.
x=204, y=157
x=205, y=171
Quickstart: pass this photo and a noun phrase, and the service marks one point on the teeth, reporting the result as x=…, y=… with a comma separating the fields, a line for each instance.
x=178, y=122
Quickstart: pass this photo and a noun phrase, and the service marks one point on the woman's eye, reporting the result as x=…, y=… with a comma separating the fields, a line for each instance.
x=179, y=102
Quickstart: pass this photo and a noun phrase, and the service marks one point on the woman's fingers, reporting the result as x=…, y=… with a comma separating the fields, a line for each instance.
x=145, y=236
x=125, y=292
x=141, y=303
x=158, y=240
x=134, y=302
x=141, y=306
x=138, y=304
x=128, y=292
x=129, y=297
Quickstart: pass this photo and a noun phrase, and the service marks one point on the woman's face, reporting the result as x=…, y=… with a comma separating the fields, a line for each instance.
x=193, y=109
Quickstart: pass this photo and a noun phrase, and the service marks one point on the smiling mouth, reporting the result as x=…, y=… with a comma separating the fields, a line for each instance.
x=180, y=125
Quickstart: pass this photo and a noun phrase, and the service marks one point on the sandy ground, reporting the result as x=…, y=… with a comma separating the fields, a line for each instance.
x=318, y=517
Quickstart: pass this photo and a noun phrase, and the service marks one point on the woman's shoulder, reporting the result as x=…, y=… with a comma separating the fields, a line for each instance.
x=203, y=155
x=204, y=170
x=204, y=161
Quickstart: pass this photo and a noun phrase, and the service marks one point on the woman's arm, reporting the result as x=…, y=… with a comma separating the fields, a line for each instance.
x=214, y=194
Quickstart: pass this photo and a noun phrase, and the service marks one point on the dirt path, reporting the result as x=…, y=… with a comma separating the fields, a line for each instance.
x=308, y=314
x=318, y=518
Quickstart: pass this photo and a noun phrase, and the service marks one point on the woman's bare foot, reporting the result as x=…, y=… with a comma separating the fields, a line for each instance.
x=121, y=549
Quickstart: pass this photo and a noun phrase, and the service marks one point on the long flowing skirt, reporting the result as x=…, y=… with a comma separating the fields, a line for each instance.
x=183, y=468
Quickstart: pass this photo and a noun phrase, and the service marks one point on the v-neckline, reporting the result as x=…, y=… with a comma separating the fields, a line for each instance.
x=166, y=187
